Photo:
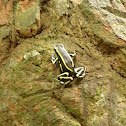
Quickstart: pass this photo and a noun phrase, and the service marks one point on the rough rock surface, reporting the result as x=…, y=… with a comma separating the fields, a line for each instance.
x=28, y=11
x=29, y=94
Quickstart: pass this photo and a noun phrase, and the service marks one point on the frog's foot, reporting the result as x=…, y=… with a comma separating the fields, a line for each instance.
x=54, y=60
x=80, y=72
x=74, y=54
x=63, y=82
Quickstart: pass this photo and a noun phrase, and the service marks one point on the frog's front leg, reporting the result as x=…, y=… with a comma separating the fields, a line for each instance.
x=64, y=78
x=80, y=72
x=54, y=59
x=74, y=54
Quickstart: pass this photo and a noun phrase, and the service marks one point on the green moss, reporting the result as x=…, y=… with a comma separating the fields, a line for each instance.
x=2, y=87
x=97, y=25
x=76, y=113
x=122, y=121
x=5, y=2
x=4, y=32
x=98, y=91
x=28, y=16
x=95, y=124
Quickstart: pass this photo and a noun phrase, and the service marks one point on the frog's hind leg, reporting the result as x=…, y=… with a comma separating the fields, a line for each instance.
x=80, y=72
x=64, y=78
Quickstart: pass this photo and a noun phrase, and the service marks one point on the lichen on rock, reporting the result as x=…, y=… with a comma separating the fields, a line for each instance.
x=29, y=92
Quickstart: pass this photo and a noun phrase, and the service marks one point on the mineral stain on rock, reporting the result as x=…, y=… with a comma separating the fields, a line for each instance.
x=29, y=94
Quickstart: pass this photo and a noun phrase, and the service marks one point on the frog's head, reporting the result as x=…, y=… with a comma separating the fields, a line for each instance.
x=58, y=46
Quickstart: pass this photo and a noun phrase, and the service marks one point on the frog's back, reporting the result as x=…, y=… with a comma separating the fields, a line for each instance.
x=64, y=56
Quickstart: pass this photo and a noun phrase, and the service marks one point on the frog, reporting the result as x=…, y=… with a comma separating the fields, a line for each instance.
x=67, y=66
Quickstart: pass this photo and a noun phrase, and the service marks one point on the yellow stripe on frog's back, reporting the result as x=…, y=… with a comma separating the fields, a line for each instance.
x=64, y=61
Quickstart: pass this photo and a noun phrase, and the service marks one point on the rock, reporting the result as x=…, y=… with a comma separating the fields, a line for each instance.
x=116, y=24
x=4, y=32
x=31, y=54
x=77, y=2
x=28, y=12
x=5, y=12
x=29, y=93
x=99, y=4
x=61, y=7
x=6, y=7
x=109, y=20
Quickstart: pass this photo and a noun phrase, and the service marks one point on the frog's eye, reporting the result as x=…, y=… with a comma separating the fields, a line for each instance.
x=61, y=45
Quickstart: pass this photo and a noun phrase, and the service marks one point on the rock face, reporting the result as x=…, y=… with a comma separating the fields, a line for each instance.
x=27, y=18
x=29, y=94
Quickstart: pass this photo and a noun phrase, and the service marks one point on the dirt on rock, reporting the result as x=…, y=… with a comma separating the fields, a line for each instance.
x=29, y=93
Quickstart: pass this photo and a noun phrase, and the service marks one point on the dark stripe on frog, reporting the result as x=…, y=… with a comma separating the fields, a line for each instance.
x=63, y=61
